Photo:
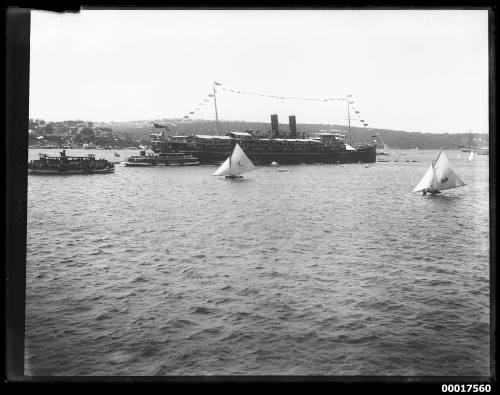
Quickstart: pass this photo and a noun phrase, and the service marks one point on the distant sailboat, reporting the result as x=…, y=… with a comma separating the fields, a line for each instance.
x=471, y=156
x=439, y=176
x=385, y=151
x=237, y=164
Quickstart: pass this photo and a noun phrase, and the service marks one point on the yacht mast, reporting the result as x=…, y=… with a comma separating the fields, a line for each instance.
x=216, y=115
x=349, y=118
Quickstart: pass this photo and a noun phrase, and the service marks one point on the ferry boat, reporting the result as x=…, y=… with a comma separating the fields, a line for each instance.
x=64, y=164
x=162, y=159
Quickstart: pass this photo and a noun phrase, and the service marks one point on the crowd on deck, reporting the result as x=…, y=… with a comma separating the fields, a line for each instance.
x=257, y=141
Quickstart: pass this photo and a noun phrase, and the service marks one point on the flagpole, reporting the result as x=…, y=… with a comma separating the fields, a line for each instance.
x=216, y=115
x=349, y=119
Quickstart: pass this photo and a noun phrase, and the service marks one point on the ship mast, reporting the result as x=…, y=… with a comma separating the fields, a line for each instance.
x=349, y=118
x=216, y=115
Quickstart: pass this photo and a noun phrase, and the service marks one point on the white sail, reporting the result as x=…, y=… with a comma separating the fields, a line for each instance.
x=238, y=163
x=426, y=181
x=223, y=169
x=445, y=177
x=439, y=176
x=471, y=156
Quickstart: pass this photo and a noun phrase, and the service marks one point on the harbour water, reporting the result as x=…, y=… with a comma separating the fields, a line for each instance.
x=320, y=270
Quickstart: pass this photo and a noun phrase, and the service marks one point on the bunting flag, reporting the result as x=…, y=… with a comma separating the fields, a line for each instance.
x=359, y=117
x=349, y=100
x=200, y=104
x=283, y=97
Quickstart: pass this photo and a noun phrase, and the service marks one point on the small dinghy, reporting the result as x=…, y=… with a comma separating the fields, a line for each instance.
x=438, y=177
x=237, y=164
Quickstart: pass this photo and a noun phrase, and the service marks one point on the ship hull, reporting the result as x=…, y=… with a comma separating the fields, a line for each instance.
x=68, y=172
x=161, y=163
x=292, y=158
x=139, y=164
x=479, y=151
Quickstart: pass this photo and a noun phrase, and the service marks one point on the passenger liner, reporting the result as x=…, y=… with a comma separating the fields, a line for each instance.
x=263, y=148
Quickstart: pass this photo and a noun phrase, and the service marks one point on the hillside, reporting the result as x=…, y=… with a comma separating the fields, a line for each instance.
x=391, y=138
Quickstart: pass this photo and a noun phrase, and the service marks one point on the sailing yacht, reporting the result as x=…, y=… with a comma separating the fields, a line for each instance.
x=439, y=176
x=237, y=164
x=471, y=156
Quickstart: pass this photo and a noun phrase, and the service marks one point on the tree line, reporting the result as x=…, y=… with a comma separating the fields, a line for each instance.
x=384, y=137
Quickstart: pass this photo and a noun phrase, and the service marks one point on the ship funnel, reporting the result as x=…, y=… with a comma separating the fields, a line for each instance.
x=293, y=126
x=274, y=124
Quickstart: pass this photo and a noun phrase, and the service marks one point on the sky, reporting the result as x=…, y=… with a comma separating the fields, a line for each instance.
x=418, y=71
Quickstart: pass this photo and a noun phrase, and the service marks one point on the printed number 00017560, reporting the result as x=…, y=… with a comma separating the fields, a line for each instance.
x=466, y=388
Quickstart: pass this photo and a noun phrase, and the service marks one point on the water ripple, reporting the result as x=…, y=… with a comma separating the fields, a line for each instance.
x=321, y=270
